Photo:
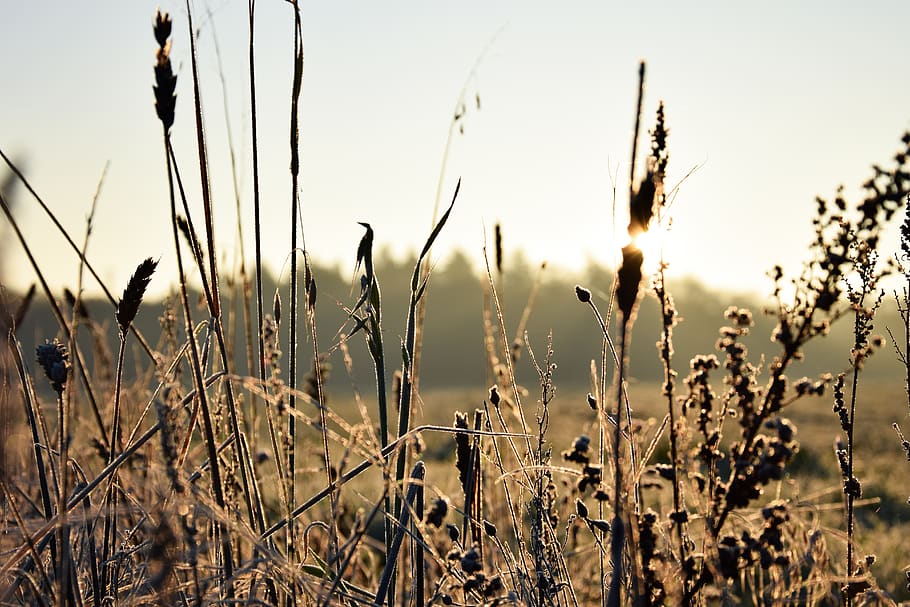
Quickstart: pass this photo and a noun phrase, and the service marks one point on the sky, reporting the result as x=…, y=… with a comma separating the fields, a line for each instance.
x=772, y=103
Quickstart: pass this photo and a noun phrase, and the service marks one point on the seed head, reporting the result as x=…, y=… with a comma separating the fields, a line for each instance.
x=601, y=525
x=132, y=295
x=437, y=513
x=471, y=562
x=495, y=399
x=162, y=27
x=165, y=80
x=641, y=207
x=583, y=294
x=580, y=508
x=54, y=359
x=276, y=308
x=489, y=528
x=629, y=280
x=498, y=240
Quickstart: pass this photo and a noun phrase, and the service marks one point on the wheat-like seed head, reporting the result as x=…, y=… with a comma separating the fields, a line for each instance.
x=132, y=295
x=165, y=80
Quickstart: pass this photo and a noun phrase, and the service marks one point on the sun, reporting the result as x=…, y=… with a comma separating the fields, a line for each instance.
x=652, y=244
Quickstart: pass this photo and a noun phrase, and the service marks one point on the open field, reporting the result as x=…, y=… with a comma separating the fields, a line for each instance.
x=297, y=441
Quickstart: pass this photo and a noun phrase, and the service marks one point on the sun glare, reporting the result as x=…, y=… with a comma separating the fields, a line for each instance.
x=651, y=243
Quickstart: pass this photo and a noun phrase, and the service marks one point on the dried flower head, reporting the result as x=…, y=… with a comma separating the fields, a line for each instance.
x=580, y=452
x=437, y=514
x=55, y=360
x=470, y=561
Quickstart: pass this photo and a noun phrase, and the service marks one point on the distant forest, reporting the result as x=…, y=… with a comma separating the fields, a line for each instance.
x=454, y=354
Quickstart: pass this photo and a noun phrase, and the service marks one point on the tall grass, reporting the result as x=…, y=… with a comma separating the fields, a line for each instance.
x=227, y=506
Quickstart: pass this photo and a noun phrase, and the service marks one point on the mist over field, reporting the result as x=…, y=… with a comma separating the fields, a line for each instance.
x=454, y=351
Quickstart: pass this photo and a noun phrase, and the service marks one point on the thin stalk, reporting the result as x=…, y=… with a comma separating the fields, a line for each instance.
x=617, y=537
x=418, y=290
x=529, y=305
x=107, y=293
x=383, y=592
x=195, y=367
x=627, y=317
x=500, y=466
x=851, y=499
x=257, y=233
x=371, y=298
x=861, y=326
x=417, y=548
x=35, y=417
x=254, y=507
x=292, y=345
x=74, y=318
x=257, y=226
x=64, y=588
x=666, y=355
x=108, y=546
x=497, y=305
x=32, y=414
x=641, y=95
x=244, y=285
x=368, y=463
x=213, y=297
x=457, y=116
x=905, y=316
x=89, y=527
x=203, y=166
x=310, y=290
x=33, y=551
x=44, y=533
x=378, y=354
x=602, y=418
x=61, y=321
x=352, y=552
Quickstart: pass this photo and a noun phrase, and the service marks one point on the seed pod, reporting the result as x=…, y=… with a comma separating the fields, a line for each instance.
x=601, y=525
x=498, y=238
x=580, y=508
x=489, y=528
x=276, y=308
x=583, y=295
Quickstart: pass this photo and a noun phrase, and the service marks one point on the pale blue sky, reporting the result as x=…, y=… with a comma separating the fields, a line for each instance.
x=777, y=102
